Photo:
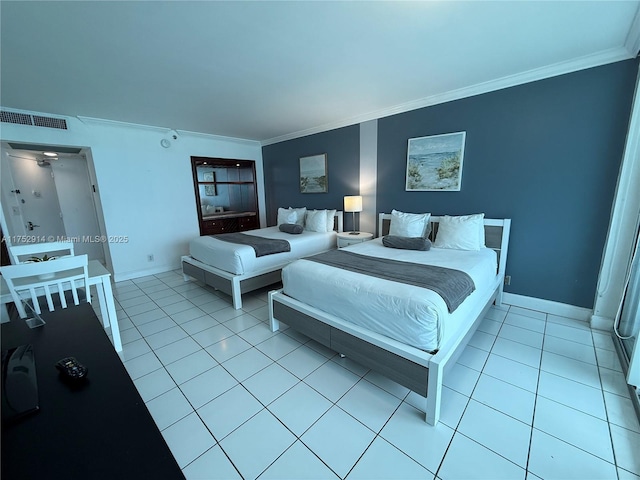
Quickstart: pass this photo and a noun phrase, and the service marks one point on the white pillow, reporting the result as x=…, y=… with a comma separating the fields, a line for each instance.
x=465, y=232
x=286, y=215
x=302, y=213
x=316, y=221
x=409, y=224
x=330, y=215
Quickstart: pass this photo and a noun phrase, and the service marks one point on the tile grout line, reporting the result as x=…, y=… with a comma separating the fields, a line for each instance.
x=361, y=377
x=606, y=411
x=218, y=442
x=194, y=410
x=535, y=398
x=455, y=429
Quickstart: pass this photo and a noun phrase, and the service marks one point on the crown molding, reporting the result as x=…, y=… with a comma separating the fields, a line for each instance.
x=210, y=136
x=165, y=130
x=632, y=42
x=561, y=68
x=117, y=123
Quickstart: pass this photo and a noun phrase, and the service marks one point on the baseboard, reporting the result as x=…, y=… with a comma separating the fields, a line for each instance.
x=121, y=277
x=548, y=306
x=601, y=323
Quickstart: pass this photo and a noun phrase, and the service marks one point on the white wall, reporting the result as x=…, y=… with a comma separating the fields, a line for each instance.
x=146, y=191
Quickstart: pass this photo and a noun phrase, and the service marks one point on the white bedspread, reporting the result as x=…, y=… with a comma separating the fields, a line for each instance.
x=412, y=315
x=241, y=259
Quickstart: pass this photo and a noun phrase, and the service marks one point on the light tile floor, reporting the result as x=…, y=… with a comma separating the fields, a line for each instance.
x=533, y=396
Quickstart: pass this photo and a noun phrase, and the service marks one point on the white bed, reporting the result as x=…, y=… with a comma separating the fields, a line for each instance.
x=235, y=269
x=241, y=259
x=370, y=302
x=350, y=312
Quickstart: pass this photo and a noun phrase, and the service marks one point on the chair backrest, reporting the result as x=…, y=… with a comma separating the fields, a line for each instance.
x=31, y=280
x=22, y=253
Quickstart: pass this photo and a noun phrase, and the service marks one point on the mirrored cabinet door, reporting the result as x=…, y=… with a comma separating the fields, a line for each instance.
x=226, y=194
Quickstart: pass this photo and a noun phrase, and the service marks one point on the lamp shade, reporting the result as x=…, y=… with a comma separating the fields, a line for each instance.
x=353, y=203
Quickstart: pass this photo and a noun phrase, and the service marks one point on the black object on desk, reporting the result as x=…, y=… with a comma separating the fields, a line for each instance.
x=102, y=430
x=71, y=370
x=19, y=384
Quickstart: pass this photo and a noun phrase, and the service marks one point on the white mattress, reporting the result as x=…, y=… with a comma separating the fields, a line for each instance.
x=240, y=259
x=412, y=315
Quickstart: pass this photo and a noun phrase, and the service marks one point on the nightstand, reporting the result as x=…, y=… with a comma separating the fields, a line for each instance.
x=345, y=238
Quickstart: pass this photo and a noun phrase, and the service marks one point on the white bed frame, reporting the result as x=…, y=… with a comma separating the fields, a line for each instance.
x=237, y=284
x=416, y=369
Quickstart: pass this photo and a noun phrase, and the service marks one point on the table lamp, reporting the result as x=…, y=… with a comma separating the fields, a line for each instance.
x=353, y=204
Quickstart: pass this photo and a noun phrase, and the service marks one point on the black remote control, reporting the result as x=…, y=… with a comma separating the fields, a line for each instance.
x=71, y=369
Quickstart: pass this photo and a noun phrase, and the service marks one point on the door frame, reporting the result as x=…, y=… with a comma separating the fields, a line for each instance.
x=85, y=153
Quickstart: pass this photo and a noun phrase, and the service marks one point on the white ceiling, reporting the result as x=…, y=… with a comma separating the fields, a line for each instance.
x=270, y=71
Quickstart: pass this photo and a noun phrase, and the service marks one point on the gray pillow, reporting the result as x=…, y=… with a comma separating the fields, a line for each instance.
x=291, y=228
x=406, y=243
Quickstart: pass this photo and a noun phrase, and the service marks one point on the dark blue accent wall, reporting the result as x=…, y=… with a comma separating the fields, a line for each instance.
x=282, y=170
x=545, y=154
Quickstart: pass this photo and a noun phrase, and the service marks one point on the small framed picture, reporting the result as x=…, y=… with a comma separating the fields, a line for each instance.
x=313, y=174
x=209, y=190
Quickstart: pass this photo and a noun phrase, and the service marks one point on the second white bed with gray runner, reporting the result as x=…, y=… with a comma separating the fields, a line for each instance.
x=240, y=259
x=237, y=263
x=393, y=323
x=378, y=304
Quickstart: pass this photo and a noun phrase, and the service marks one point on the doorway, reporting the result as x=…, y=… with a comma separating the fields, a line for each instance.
x=50, y=198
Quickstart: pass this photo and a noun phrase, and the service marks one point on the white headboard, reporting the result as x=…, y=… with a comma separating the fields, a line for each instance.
x=338, y=221
x=496, y=233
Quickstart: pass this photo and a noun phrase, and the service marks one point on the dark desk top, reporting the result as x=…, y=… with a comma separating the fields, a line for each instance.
x=101, y=430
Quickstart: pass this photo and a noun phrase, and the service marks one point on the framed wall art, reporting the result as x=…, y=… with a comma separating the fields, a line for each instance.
x=434, y=163
x=209, y=190
x=313, y=174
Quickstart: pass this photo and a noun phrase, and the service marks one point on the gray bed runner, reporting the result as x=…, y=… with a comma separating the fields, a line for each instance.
x=262, y=246
x=452, y=285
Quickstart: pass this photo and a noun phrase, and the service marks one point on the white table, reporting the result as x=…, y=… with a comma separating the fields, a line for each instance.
x=101, y=278
x=348, y=238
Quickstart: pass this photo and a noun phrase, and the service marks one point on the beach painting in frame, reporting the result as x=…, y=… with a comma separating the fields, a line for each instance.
x=434, y=163
x=313, y=174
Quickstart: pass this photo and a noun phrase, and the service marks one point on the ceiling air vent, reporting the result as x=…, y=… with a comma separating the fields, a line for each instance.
x=13, y=117
x=35, y=120
x=49, y=122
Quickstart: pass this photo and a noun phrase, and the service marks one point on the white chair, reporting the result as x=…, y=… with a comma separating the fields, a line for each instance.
x=33, y=280
x=22, y=253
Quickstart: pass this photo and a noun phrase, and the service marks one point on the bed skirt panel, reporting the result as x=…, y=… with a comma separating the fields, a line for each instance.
x=401, y=370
